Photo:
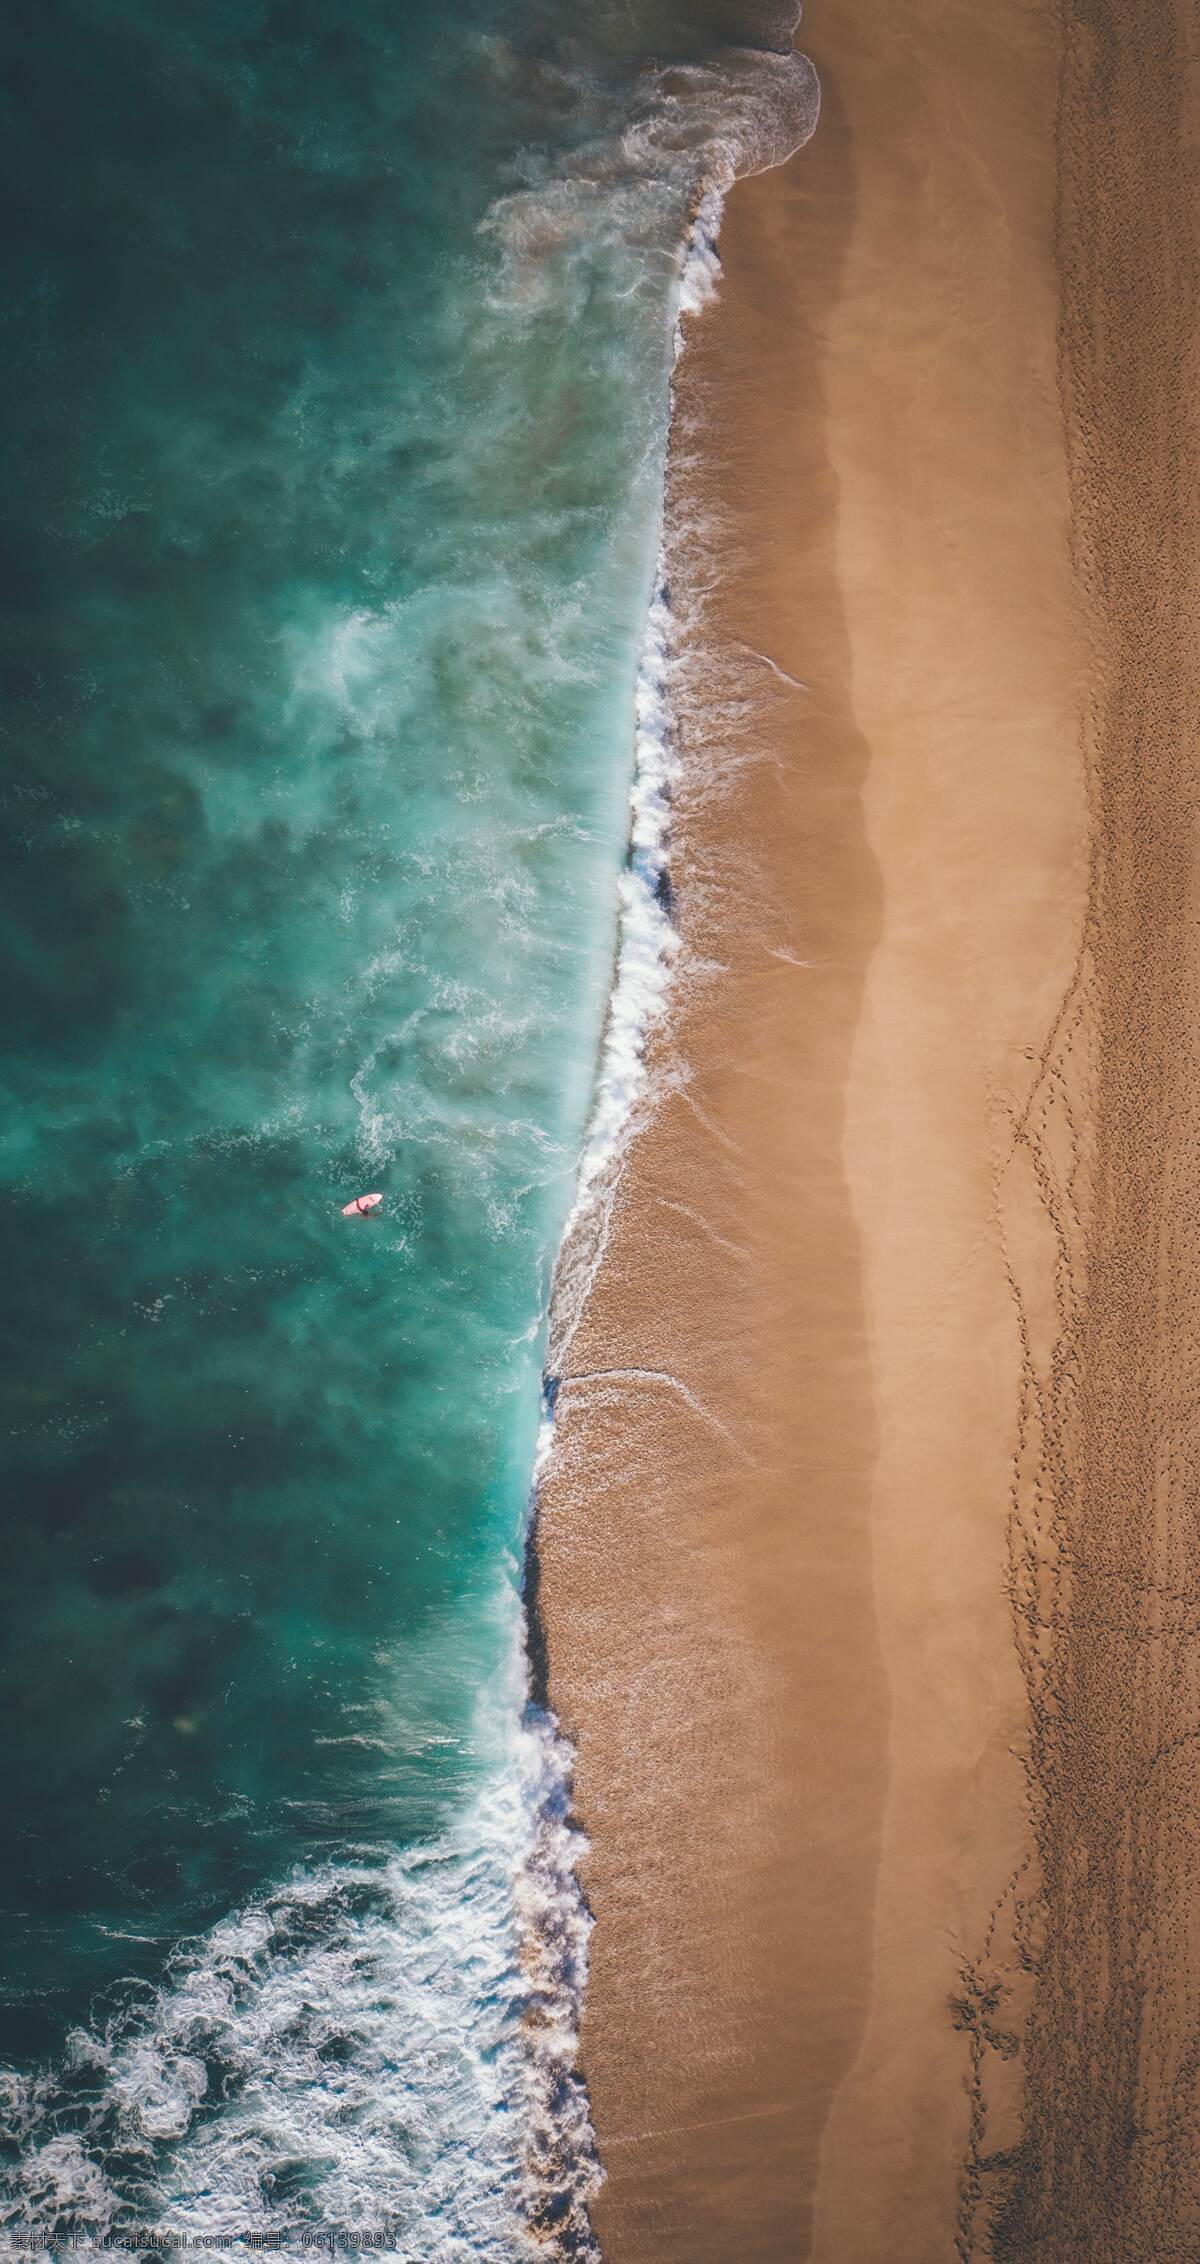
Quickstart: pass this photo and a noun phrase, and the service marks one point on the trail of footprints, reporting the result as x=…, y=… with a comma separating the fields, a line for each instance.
x=1080, y=2006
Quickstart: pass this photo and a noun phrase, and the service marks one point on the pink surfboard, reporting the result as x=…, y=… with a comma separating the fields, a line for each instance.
x=362, y=1206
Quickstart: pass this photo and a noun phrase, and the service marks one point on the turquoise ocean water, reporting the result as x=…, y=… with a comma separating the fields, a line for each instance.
x=336, y=350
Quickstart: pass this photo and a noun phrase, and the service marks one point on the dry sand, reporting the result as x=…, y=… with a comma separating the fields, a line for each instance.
x=867, y=1554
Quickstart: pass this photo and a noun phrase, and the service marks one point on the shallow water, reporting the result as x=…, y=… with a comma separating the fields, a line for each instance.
x=337, y=347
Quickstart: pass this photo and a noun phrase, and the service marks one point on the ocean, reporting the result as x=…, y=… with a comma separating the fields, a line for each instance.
x=337, y=348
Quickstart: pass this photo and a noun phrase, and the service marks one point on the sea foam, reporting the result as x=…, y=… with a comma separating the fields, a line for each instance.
x=386, y=2053
x=706, y=128
x=371, y=2055
x=773, y=106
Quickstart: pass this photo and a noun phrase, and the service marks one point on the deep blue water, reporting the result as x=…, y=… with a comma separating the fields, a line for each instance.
x=336, y=346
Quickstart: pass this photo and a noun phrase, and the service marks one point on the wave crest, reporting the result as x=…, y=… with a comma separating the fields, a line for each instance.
x=362, y=2051
x=697, y=129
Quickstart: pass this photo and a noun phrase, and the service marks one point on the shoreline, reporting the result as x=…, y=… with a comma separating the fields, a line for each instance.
x=647, y=944
x=680, y=2188
x=789, y=1408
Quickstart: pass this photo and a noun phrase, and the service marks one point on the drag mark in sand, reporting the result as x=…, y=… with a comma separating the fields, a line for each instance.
x=670, y=1383
x=795, y=683
x=697, y=1218
x=710, y=2122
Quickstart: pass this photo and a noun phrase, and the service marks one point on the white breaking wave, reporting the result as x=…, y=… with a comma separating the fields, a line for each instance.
x=375, y=2054
x=647, y=942
x=698, y=128
x=387, y=2054
x=748, y=115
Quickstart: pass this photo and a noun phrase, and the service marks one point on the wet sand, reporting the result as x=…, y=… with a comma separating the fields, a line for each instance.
x=866, y=1556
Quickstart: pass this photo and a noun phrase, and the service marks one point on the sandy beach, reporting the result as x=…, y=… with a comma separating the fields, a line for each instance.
x=865, y=1552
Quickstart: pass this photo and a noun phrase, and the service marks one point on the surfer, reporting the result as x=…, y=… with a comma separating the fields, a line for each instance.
x=362, y=1206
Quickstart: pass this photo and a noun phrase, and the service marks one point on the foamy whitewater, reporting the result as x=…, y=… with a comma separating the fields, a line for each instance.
x=769, y=106
x=406, y=2036
x=384, y=2053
